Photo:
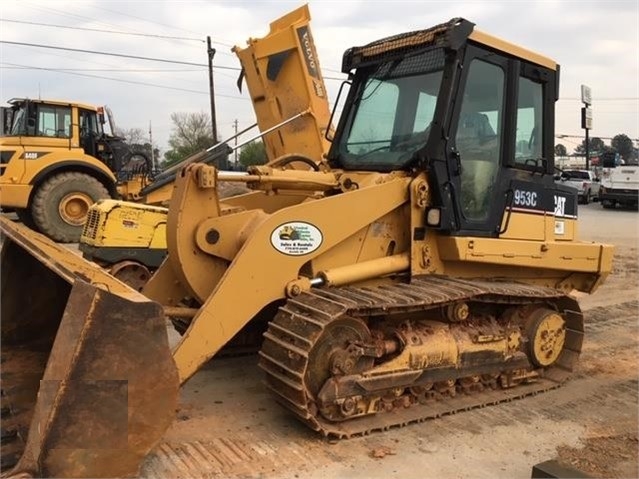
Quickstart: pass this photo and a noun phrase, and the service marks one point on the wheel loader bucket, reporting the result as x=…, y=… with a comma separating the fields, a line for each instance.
x=88, y=381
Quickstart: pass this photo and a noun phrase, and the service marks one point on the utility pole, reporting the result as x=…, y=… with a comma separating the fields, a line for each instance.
x=586, y=118
x=152, y=152
x=211, y=53
x=587, y=150
x=235, y=152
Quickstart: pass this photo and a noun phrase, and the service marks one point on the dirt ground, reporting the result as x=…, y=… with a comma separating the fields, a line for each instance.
x=229, y=426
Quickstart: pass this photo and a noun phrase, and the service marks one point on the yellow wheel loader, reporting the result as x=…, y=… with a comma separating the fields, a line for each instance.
x=424, y=267
x=57, y=160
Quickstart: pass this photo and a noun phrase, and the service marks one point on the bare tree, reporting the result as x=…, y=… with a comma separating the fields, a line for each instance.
x=139, y=141
x=133, y=136
x=191, y=133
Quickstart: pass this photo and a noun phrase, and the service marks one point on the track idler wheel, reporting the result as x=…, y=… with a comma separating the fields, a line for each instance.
x=335, y=353
x=546, y=331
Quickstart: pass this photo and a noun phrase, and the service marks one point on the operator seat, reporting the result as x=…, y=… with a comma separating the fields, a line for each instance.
x=475, y=127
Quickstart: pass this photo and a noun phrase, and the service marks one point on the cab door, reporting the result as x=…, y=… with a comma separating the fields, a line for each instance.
x=502, y=156
x=479, y=143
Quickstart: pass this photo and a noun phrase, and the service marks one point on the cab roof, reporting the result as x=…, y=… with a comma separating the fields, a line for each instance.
x=510, y=48
x=86, y=106
x=452, y=34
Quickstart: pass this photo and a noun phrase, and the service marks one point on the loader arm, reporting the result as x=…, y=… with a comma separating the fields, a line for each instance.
x=259, y=273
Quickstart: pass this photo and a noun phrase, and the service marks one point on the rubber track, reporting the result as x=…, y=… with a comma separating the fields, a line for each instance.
x=298, y=323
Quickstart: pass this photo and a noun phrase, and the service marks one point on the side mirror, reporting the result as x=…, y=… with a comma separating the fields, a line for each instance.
x=557, y=177
x=597, y=180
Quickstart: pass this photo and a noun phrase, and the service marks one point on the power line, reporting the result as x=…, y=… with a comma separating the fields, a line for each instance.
x=72, y=57
x=121, y=55
x=158, y=23
x=125, y=81
x=125, y=70
x=68, y=14
x=102, y=31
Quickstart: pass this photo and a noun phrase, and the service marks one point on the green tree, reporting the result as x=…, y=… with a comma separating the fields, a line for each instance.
x=595, y=146
x=623, y=145
x=191, y=133
x=560, y=150
x=253, y=154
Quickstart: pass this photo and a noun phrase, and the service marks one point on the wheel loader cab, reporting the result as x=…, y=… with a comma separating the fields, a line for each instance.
x=34, y=119
x=475, y=113
x=57, y=161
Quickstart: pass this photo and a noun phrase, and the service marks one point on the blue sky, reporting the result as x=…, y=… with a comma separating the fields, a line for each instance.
x=596, y=43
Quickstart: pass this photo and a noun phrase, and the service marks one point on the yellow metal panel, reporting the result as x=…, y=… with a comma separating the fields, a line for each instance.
x=299, y=86
x=515, y=50
x=15, y=196
x=567, y=256
x=384, y=237
x=122, y=224
x=57, y=155
x=346, y=252
x=132, y=227
x=526, y=226
x=159, y=237
x=72, y=104
x=230, y=232
x=563, y=229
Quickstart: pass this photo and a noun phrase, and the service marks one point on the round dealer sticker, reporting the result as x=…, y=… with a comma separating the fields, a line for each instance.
x=296, y=238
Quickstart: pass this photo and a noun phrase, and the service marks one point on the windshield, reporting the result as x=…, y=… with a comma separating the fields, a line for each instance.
x=394, y=104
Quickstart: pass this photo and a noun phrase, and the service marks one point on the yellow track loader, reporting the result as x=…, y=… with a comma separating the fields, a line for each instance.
x=424, y=267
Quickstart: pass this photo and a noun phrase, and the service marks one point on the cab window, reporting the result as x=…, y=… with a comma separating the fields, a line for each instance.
x=529, y=120
x=479, y=138
x=54, y=121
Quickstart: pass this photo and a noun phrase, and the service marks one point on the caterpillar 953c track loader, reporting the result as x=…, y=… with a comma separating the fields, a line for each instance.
x=424, y=266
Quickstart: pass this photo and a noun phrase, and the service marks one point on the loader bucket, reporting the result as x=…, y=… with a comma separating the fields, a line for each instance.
x=88, y=380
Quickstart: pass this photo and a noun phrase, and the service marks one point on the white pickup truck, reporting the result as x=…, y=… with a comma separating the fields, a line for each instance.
x=584, y=181
x=620, y=185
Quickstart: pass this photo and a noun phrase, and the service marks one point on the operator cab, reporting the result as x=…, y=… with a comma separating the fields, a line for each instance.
x=37, y=119
x=473, y=111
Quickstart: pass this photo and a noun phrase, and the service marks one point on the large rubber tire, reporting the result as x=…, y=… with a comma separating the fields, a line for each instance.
x=61, y=203
x=25, y=217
